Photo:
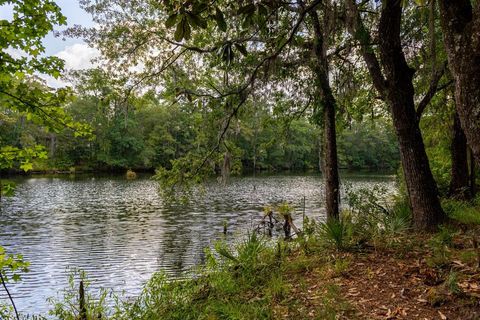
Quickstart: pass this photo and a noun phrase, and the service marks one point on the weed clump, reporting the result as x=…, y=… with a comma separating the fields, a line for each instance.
x=130, y=175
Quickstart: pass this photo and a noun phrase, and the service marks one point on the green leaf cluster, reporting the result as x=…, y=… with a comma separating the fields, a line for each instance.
x=12, y=266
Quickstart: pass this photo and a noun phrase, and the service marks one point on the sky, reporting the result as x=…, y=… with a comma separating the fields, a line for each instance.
x=76, y=53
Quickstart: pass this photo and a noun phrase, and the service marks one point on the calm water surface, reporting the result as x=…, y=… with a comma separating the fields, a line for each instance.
x=120, y=231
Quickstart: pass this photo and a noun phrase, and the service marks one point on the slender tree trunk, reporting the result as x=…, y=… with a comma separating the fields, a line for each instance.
x=226, y=166
x=331, y=162
x=431, y=31
x=328, y=103
x=459, y=183
x=52, y=145
x=461, y=30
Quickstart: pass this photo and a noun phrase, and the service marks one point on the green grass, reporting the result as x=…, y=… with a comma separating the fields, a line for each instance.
x=250, y=280
x=464, y=212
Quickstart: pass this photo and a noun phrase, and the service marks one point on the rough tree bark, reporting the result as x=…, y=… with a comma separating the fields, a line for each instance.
x=459, y=183
x=461, y=30
x=396, y=88
x=473, y=182
x=331, y=161
x=328, y=103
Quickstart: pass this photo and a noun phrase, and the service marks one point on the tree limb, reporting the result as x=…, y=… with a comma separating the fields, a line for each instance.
x=9, y=296
x=242, y=90
x=431, y=90
x=360, y=33
x=45, y=114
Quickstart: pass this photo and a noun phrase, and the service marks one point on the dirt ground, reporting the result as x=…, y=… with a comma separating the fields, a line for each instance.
x=399, y=283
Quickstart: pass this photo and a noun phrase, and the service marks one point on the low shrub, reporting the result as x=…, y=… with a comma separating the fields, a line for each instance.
x=337, y=233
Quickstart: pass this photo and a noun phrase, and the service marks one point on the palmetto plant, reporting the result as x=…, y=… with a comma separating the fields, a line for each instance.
x=337, y=233
x=247, y=255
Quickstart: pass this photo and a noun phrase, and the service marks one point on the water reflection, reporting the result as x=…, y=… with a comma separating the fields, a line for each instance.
x=121, y=231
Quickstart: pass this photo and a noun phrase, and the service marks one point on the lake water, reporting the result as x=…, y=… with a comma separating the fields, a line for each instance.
x=120, y=232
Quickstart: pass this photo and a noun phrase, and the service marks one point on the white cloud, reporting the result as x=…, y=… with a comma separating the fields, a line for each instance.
x=55, y=83
x=78, y=56
x=16, y=53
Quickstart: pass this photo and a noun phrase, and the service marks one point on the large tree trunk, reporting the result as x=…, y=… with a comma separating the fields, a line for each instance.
x=328, y=103
x=321, y=163
x=459, y=183
x=396, y=88
x=421, y=187
x=461, y=30
x=473, y=182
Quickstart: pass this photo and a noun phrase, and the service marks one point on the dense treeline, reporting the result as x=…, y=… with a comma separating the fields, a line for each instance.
x=150, y=133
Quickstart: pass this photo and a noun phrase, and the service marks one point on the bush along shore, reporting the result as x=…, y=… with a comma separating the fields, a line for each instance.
x=367, y=265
